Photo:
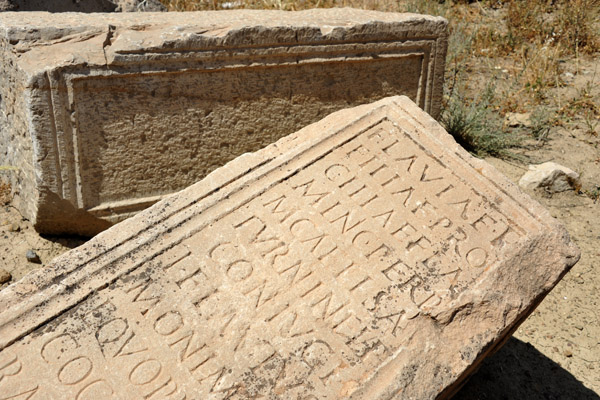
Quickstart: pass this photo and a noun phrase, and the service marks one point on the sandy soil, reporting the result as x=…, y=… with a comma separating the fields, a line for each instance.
x=555, y=354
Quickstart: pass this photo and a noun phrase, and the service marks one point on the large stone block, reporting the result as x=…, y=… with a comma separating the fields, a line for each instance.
x=367, y=256
x=105, y=114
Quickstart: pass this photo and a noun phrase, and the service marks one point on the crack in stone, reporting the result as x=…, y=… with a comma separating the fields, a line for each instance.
x=108, y=41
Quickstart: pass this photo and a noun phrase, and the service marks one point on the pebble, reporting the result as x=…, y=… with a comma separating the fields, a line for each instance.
x=5, y=276
x=568, y=353
x=33, y=257
x=568, y=77
x=14, y=227
x=518, y=119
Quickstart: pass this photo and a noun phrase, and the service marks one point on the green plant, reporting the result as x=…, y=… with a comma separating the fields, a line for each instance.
x=475, y=125
x=591, y=122
x=541, y=121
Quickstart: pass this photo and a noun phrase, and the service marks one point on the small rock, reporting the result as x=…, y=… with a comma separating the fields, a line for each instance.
x=518, y=119
x=14, y=227
x=567, y=77
x=5, y=276
x=568, y=353
x=33, y=257
x=550, y=176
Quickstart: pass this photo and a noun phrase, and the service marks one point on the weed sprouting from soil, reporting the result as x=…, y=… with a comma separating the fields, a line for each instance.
x=594, y=194
x=541, y=121
x=474, y=124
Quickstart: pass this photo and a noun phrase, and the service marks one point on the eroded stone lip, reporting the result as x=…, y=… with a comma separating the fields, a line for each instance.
x=367, y=256
x=99, y=108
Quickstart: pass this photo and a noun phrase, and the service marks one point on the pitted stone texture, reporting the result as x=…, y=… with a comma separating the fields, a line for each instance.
x=367, y=256
x=105, y=114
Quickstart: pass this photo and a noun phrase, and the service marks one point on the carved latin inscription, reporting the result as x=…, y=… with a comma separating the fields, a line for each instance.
x=301, y=284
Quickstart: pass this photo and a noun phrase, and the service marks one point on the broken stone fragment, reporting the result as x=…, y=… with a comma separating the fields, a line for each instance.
x=5, y=276
x=33, y=257
x=551, y=177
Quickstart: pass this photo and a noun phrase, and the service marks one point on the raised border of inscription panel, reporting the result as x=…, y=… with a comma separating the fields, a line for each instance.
x=68, y=142
x=148, y=237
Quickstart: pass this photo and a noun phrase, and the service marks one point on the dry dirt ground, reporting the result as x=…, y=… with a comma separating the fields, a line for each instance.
x=555, y=354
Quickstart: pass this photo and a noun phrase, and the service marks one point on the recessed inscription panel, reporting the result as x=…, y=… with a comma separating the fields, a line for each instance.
x=219, y=114
x=349, y=251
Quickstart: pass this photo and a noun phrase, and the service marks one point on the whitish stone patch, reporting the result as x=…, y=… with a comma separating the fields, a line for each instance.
x=367, y=256
x=105, y=114
x=551, y=177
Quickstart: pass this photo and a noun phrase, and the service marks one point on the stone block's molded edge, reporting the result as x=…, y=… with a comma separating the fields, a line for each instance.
x=118, y=46
x=67, y=141
x=16, y=148
x=43, y=295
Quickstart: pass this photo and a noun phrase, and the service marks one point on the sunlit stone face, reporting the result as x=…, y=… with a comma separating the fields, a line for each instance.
x=365, y=256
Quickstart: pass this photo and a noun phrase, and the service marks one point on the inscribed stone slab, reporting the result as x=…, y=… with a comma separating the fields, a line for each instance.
x=105, y=114
x=367, y=256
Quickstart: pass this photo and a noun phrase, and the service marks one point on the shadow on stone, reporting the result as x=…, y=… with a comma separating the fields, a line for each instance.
x=519, y=371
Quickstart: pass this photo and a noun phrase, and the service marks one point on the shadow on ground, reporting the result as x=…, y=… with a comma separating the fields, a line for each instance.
x=68, y=241
x=519, y=371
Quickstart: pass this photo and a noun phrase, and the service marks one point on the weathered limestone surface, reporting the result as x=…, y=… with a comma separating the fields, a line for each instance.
x=367, y=256
x=105, y=114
